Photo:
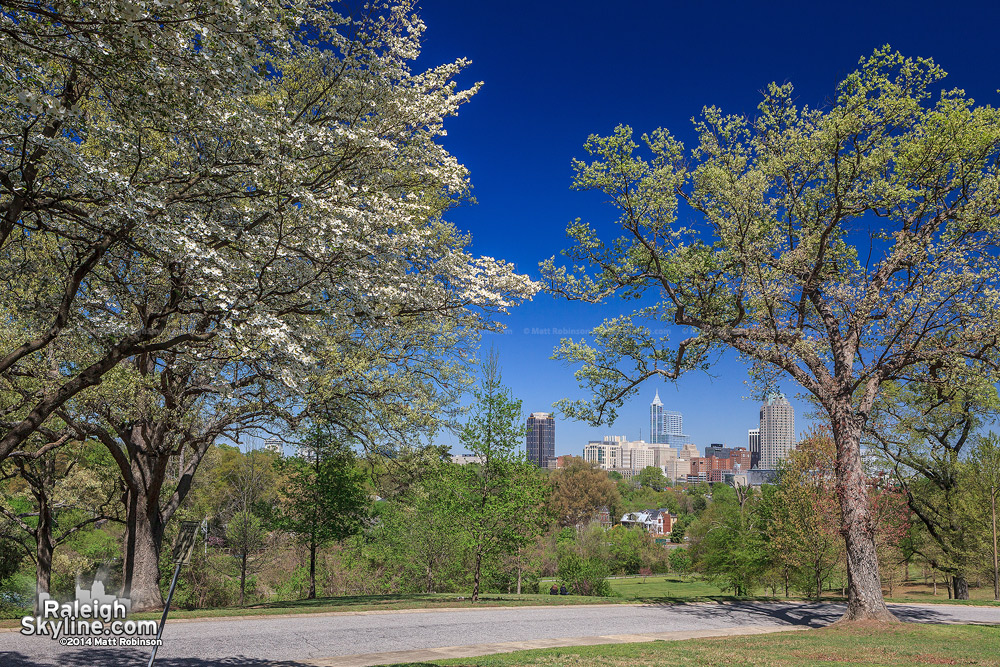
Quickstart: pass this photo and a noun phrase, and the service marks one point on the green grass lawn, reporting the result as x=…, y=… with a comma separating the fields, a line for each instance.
x=856, y=645
x=664, y=588
x=692, y=588
x=924, y=593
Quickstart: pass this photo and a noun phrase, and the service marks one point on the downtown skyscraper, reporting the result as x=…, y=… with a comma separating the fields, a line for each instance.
x=540, y=442
x=665, y=427
x=753, y=444
x=777, y=430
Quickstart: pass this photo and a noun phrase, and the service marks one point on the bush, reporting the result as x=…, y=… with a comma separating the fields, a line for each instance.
x=680, y=561
x=17, y=594
x=11, y=555
x=626, y=546
x=584, y=576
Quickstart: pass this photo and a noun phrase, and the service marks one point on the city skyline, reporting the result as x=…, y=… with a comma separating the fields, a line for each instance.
x=523, y=218
x=765, y=447
x=741, y=415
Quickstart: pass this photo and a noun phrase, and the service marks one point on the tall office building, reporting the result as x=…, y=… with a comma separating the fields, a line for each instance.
x=777, y=430
x=665, y=427
x=541, y=438
x=753, y=444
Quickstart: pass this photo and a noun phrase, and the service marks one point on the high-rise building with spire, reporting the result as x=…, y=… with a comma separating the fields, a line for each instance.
x=777, y=430
x=665, y=427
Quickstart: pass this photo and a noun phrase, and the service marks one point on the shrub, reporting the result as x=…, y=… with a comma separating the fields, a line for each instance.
x=584, y=576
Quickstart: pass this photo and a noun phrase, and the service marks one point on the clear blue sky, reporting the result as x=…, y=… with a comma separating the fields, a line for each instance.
x=555, y=72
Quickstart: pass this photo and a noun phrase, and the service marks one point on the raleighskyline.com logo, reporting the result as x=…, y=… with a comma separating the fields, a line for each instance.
x=93, y=619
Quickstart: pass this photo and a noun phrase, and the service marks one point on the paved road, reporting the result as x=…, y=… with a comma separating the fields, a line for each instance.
x=291, y=641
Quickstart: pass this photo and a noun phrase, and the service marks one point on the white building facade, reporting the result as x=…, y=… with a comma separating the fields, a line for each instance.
x=777, y=430
x=617, y=453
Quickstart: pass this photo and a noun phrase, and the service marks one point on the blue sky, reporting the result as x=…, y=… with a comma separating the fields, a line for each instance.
x=555, y=72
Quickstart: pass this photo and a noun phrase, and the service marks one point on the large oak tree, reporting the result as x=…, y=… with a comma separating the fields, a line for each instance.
x=847, y=247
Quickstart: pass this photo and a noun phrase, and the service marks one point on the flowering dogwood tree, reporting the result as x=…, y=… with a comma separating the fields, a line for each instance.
x=217, y=201
x=258, y=167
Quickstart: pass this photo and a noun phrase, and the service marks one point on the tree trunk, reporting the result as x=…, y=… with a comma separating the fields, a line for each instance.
x=243, y=576
x=128, y=550
x=864, y=586
x=960, y=587
x=144, y=537
x=475, y=584
x=40, y=482
x=519, y=579
x=43, y=562
x=143, y=459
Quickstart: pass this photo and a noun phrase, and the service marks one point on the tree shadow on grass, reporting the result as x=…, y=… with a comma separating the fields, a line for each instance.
x=813, y=615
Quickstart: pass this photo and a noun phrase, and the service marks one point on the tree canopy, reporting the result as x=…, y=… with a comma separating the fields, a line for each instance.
x=846, y=247
x=231, y=179
x=210, y=210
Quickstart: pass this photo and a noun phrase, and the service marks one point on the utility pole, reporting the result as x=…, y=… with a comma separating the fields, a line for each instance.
x=996, y=570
